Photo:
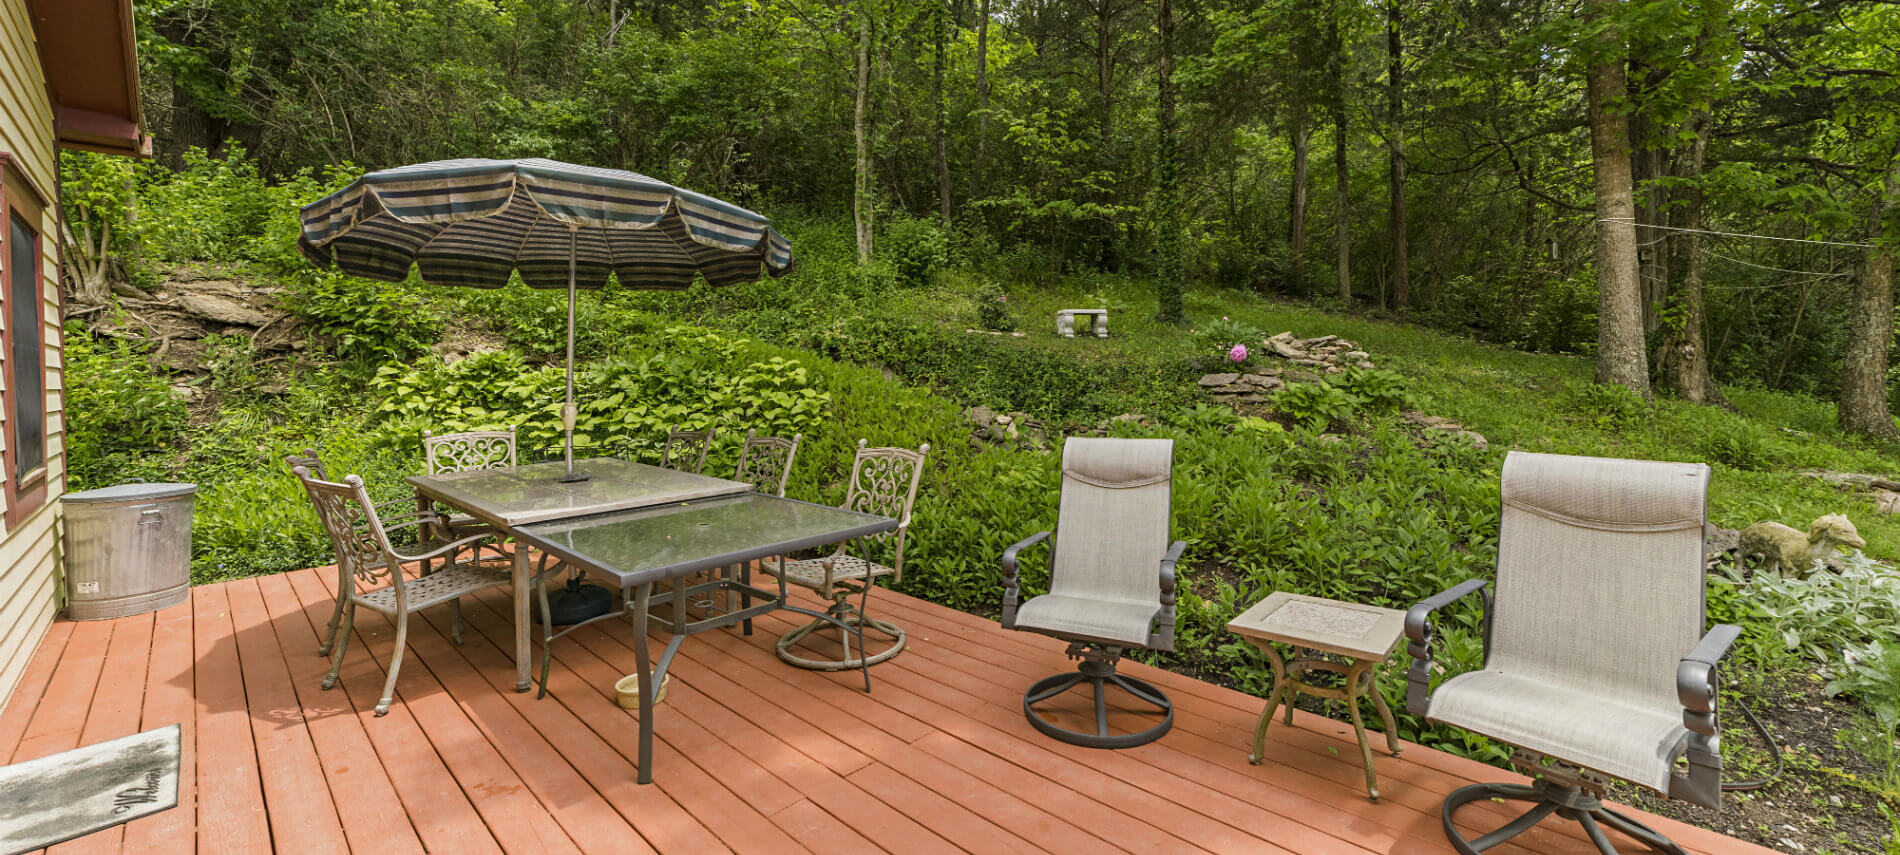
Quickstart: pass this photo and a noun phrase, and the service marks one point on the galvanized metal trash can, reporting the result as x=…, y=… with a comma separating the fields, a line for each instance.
x=128, y=549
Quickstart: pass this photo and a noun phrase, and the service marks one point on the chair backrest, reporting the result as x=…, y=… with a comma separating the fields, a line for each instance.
x=765, y=462
x=1113, y=520
x=308, y=460
x=472, y=450
x=884, y=482
x=685, y=450
x=1600, y=574
x=356, y=533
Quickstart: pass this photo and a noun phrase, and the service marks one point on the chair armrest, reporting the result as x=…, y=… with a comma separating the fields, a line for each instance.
x=1012, y=588
x=1697, y=681
x=442, y=550
x=1418, y=628
x=1163, y=636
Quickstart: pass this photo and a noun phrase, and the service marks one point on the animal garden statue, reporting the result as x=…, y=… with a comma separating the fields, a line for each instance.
x=1792, y=553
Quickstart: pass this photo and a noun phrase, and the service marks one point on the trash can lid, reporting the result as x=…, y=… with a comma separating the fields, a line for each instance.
x=132, y=492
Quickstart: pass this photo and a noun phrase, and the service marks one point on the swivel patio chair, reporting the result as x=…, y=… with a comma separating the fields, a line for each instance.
x=1596, y=666
x=1111, y=580
x=363, y=549
x=685, y=450
x=883, y=481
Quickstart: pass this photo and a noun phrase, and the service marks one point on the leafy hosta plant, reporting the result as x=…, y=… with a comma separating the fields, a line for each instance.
x=1832, y=611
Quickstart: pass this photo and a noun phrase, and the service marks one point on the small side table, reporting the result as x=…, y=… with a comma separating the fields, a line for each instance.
x=1363, y=635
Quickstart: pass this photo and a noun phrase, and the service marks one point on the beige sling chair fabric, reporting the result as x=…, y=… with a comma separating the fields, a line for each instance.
x=1599, y=595
x=1112, y=535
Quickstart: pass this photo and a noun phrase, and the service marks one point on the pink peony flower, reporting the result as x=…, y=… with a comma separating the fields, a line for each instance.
x=1238, y=354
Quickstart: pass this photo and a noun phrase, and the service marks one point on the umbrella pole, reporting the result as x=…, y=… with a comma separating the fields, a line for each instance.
x=568, y=413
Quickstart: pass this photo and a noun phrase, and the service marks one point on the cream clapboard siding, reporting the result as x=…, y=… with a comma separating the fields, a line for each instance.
x=30, y=590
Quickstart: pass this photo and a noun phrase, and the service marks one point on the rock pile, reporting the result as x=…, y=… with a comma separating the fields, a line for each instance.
x=1297, y=360
x=988, y=425
x=1883, y=491
x=1440, y=423
x=1328, y=354
x=1242, y=388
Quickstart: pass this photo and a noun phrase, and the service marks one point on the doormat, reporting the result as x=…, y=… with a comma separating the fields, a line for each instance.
x=78, y=792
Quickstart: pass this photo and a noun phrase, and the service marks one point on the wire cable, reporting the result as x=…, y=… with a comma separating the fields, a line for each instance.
x=1774, y=749
x=1632, y=221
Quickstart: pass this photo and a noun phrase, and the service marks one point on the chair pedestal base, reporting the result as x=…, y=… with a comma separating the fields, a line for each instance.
x=853, y=625
x=1097, y=671
x=1565, y=800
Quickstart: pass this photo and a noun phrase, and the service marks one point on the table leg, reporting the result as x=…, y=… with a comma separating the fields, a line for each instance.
x=1353, y=674
x=1281, y=685
x=643, y=594
x=524, y=658
x=1385, y=711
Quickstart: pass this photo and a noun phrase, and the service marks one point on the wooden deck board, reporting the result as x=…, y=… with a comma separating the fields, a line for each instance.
x=752, y=756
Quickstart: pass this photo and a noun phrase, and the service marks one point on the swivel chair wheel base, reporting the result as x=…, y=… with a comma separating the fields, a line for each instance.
x=853, y=626
x=1567, y=801
x=1098, y=672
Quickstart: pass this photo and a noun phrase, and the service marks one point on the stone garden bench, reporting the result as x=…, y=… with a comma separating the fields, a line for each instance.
x=1097, y=319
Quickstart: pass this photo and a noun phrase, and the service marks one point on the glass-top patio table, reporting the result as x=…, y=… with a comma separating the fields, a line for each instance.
x=509, y=498
x=664, y=544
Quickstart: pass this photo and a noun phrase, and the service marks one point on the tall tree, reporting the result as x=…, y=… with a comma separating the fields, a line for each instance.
x=982, y=95
x=939, y=11
x=1682, y=360
x=1620, y=356
x=863, y=197
x=1167, y=173
x=1342, y=183
x=1864, y=408
x=1395, y=150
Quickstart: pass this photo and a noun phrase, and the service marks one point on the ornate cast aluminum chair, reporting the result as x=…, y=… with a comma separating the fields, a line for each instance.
x=765, y=462
x=883, y=481
x=361, y=540
x=309, y=460
x=470, y=451
x=1111, y=579
x=679, y=451
x=1596, y=666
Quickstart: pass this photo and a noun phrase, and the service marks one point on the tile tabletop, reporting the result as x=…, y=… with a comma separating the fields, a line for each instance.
x=534, y=493
x=1348, y=629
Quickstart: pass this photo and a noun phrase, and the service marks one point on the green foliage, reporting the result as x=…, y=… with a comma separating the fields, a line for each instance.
x=992, y=309
x=626, y=403
x=1873, y=676
x=231, y=359
x=1606, y=406
x=125, y=422
x=1376, y=388
x=222, y=210
x=918, y=248
x=1317, y=405
x=369, y=322
x=1831, y=611
x=1225, y=333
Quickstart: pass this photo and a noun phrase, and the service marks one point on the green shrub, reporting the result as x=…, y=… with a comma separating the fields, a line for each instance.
x=122, y=419
x=1742, y=444
x=1832, y=610
x=992, y=309
x=917, y=248
x=1873, y=676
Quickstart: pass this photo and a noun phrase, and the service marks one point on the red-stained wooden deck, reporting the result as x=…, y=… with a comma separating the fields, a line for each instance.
x=754, y=756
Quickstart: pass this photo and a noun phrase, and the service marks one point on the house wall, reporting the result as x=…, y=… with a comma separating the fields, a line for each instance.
x=30, y=588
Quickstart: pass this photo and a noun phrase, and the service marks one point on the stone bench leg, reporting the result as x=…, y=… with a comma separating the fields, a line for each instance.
x=1101, y=325
x=1065, y=325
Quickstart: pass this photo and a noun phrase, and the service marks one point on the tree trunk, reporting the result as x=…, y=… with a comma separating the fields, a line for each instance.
x=1342, y=186
x=89, y=261
x=939, y=12
x=1683, y=359
x=861, y=201
x=1864, y=408
x=1105, y=67
x=1168, y=269
x=1649, y=167
x=982, y=94
x=1395, y=109
x=1296, y=239
x=1620, y=356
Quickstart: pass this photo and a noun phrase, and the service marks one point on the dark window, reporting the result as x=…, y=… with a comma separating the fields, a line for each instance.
x=27, y=372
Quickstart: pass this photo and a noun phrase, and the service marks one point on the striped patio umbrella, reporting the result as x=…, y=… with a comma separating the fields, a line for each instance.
x=473, y=222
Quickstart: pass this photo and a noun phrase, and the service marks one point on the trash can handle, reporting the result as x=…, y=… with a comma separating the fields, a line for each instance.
x=152, y=516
